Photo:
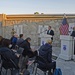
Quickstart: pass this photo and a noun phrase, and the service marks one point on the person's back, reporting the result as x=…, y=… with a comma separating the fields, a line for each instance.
x=20, y=40
x=11, y=39
x=45, y=51
x=14, y=41
x=1, y=40
x=7, y=52
x=25, y=54
x=27, y=49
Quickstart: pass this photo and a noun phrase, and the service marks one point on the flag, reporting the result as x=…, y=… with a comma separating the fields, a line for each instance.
x=64, y=28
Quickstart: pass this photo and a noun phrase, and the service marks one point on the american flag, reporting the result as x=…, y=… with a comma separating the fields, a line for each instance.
x=64, y=28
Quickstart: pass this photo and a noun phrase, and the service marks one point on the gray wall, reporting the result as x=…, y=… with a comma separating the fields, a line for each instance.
x=31, y=30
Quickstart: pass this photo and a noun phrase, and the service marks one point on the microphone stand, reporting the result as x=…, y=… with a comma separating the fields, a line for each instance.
x=42, y=32
x=39, y=34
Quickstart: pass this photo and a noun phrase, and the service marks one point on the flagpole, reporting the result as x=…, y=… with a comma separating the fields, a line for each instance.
x=65, y=16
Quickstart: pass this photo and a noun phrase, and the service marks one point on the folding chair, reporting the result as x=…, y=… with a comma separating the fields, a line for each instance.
x=8, y=64
x=0, y=65
x=44, y=69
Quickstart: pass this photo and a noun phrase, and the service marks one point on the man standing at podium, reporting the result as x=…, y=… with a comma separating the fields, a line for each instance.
x=73, y=35
x=50, y=32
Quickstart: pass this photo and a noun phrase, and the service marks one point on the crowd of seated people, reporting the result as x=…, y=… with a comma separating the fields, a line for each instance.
x=7, y=52
x=7, y=48
x=21, y=61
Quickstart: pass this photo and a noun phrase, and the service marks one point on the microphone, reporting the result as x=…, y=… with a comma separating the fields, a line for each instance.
x=46, y=30
x=42, y=31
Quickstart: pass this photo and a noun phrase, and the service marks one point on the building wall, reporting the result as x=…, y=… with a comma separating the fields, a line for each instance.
x=29, y=25
x=12, y=19
x=31, y=30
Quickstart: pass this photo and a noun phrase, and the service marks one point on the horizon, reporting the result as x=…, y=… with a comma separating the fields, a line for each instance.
x=39, y=14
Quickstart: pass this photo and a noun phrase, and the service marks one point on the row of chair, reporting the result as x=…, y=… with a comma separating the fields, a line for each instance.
x=36, y=65
x=7, y=64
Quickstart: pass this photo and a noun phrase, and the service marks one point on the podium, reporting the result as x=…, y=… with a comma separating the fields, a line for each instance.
x=66, y=47
x=44, y=38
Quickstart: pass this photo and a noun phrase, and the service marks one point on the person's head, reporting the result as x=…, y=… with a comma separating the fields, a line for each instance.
x=15, y=35
x=21, y=35
x=74, y=28
x=49, y=41
x=6, y=43
x=12, y=28
x=28, y=39
x=49, y=27
x=1, y=38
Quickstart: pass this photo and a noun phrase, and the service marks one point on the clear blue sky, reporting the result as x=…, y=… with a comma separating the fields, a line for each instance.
x=41, y=6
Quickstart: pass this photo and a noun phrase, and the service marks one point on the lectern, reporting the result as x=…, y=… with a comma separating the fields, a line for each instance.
x=44, y=38
x=66, y=47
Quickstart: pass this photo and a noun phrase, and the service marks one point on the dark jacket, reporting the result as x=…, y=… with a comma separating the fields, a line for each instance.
x=19, y=41
x=50, y=33
x=27, y=49
x=73, y=34
x=1, y=42
x=9, y=54
x=11, y=39
x=45, y=51
x=13, y=42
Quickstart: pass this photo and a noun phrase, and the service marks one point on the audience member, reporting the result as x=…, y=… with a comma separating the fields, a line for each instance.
x=27, y=49
x=45, y=51
x=1, y=39
x=14, y=40
x=27, y=53
x=20, y=40
x=8, y=53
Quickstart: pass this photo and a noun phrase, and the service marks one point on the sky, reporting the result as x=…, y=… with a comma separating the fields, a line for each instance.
x=41, y=6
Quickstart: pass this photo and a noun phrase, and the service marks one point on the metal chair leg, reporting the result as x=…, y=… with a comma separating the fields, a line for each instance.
x=44, y=73
x=33, y=68
x=11, y=71
x=36, y=70
x=0, y=72
x=6, y=72
x=0, y=65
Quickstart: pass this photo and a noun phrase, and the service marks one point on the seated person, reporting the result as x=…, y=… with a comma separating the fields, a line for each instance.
x=7, y=52
x=10, y=54
x=20, y=40
x=1, y=39
x=14, y=41
x=45, y=51
x=27, y=49
x=26, y=54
